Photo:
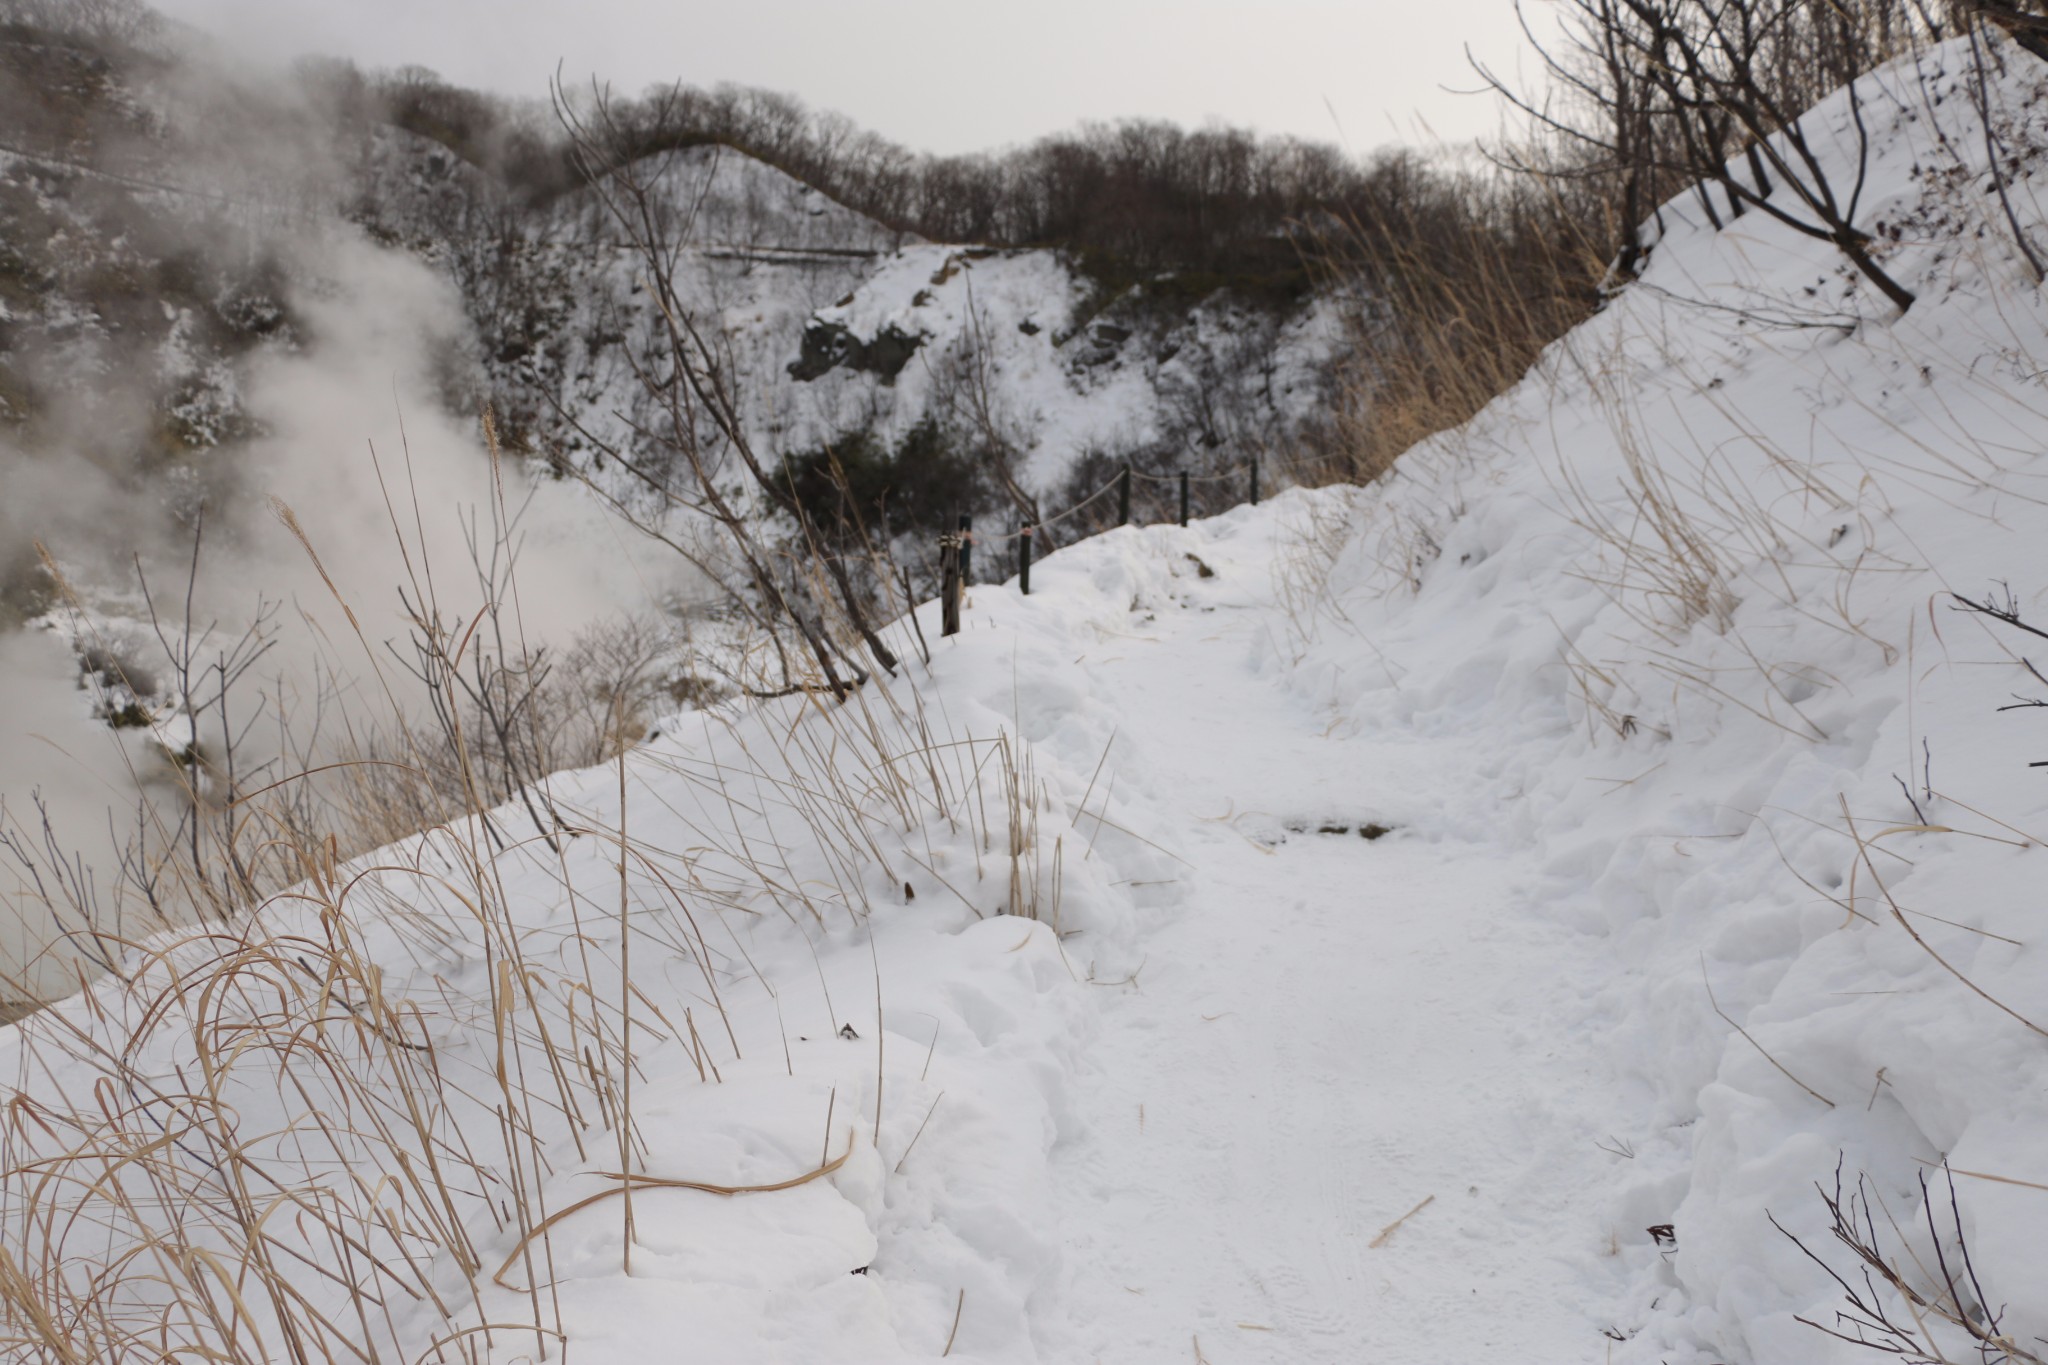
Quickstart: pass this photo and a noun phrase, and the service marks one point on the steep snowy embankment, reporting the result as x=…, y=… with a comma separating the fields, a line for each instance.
x=1685, y=593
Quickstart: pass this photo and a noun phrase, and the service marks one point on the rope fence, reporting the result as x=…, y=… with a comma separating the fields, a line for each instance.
x=1234, y=472
x=956, y=548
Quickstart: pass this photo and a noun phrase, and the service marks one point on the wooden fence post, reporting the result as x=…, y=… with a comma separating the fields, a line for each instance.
x=1123, y=497
x=1024, y=558
x=1255, y=481
x=949, y=585
x=966, y=549
x=1183, y=497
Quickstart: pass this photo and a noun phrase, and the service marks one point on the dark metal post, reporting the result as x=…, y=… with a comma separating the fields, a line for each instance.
x=1024, y=559
x=1123, y=497
x=1183, y=497
x=966, y=548
x=949, y=585
x=1255, y=481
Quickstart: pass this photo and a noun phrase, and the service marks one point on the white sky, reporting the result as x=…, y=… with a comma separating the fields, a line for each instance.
x=949, y=77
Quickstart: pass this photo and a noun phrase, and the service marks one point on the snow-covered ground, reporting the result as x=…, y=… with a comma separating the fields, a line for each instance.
x=1331, y=1026
x=1178, y=1113
x=1462, y=919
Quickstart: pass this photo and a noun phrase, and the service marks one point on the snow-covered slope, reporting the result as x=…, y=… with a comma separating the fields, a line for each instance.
x=1460, y=919
x=1690, y=587
x=1660, y=653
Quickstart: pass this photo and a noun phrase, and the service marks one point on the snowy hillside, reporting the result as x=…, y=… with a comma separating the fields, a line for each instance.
x=220, y=287
x=1486, y=916
x=837, y=327
x=166, y=226
x=1684, y=598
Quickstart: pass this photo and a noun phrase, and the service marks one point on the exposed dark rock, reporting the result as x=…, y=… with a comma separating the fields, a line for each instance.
x=832, y=345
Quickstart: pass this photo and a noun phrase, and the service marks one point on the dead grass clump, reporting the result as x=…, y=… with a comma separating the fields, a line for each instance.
x=1310, y=544
x=1460, y=279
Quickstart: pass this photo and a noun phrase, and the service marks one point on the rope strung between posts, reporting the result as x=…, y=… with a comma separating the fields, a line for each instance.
x=979, y=539
x=956, y=546
x=1234, y=472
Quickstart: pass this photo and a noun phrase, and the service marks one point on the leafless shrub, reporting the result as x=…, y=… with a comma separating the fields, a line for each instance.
x=1922, y=1314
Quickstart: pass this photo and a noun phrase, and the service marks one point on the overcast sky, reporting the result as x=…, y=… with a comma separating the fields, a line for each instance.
x=949, y=77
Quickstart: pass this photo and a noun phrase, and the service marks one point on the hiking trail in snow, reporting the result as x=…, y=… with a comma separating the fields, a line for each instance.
x=1331, y=1026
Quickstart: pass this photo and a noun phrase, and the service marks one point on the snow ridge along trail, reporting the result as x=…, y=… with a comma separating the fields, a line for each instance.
x=1325, y=1027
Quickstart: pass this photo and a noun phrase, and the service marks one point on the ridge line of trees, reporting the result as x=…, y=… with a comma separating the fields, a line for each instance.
x=1133, y=197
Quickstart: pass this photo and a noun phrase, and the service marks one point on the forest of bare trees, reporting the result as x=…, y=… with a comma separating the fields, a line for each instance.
x=1141, y=194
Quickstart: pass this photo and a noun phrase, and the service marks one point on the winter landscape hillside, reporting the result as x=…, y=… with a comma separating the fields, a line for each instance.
x=1563, y=899
x=223, y=288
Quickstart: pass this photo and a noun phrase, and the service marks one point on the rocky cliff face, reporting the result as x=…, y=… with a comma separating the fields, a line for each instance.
x=837, y=328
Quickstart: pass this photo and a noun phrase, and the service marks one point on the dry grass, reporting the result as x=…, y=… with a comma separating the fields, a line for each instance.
x=312, y=1124
x=1310, y=544
x=1459, y=287
x=294, y=1138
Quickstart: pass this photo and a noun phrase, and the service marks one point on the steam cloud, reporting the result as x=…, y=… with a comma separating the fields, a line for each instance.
x=381, y=334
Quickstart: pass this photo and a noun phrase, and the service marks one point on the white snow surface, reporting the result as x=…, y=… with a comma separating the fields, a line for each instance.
x=1643, y=673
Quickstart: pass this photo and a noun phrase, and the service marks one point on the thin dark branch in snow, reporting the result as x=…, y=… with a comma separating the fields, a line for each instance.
x=1918, y=814
x=1918, y=1316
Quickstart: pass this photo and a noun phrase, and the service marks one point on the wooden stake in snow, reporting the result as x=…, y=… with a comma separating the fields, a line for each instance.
x=625, y=1030
x=949, y=585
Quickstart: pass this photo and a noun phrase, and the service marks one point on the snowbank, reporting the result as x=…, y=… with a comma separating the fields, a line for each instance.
x=1692, y=582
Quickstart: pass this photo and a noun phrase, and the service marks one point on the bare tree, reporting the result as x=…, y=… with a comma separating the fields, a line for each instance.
x=1710, y=93
x=125, y=22
x=2021, y=20
x=692, y=383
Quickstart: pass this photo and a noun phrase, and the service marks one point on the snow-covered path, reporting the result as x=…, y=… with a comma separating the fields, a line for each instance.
x=1325, y=1031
